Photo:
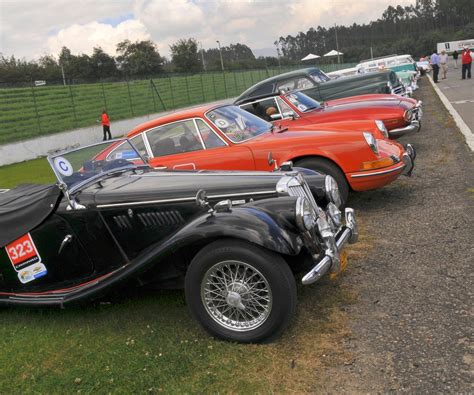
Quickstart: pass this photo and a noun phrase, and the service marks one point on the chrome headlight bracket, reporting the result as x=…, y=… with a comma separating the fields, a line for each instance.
x=332, y=190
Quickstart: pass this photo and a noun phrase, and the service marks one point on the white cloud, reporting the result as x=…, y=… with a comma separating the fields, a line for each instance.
x=31, y=28
x=82, y=38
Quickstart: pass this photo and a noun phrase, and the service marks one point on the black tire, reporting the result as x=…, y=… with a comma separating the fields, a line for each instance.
x=326, y=167
x=271, y=276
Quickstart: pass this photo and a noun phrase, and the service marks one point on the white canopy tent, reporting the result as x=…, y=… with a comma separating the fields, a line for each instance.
x=311, y=56
x=333, y=53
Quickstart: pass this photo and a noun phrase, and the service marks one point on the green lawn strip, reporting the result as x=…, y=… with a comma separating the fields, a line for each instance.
x=33, y=171
x=147, y=342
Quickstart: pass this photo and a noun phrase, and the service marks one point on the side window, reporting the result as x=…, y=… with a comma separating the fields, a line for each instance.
x=286, y=86
x=209, y=137
x=123, y=151
x=263, y=90
x=139, y=144
x=174, y=138
x=299, y=83
x=285, y=108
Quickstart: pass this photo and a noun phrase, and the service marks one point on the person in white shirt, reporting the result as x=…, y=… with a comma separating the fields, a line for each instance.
x=443, y=63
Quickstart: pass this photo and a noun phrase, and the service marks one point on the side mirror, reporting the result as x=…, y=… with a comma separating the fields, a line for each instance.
x=275, y=117
x=271, y=161
x=201, y=199
x=289, y=114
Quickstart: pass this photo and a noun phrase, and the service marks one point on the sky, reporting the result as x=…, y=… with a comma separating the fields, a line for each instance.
x=33, y=28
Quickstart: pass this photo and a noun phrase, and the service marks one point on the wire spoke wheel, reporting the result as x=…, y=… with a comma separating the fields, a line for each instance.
x=236, y=295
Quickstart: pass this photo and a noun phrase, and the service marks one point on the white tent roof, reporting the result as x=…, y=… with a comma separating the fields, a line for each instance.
x=333, y=53
x=310, y=56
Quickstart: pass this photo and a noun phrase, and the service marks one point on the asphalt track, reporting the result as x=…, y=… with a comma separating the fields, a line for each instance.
x=460, y=93
x=412, y=322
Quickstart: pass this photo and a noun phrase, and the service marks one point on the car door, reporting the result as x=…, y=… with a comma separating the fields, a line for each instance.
x=50, y=254
x=193, y=145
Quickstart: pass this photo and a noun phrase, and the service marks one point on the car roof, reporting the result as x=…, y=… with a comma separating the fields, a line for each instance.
x=191, y=112
x=279, y=77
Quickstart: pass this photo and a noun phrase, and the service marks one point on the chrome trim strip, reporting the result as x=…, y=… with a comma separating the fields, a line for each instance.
x=186, y=199
x=378, y=172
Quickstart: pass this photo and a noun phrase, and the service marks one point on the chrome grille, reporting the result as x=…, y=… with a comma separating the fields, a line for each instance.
x=303, y=190
x=400, y=90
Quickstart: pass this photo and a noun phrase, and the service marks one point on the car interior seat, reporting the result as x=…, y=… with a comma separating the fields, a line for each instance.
x=164, y=147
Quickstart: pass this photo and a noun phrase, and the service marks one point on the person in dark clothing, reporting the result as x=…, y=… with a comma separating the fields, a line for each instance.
x=455, y=58
x=434, y=61
x=105, y=121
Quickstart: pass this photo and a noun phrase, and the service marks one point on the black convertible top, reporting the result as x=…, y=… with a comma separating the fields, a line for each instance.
x=24, y=208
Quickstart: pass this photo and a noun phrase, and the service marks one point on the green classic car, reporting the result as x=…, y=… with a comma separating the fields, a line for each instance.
x=316, y=84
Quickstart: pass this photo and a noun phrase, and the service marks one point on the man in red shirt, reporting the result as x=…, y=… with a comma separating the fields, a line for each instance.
x=466, y=61
x=106, y=125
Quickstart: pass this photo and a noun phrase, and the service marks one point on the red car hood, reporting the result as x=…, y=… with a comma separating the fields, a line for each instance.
x=368, y=101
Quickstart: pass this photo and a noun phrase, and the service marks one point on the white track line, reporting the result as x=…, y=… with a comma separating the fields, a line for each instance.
x=457, y=118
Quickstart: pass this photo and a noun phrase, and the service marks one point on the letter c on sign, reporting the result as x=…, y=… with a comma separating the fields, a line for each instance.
x=63, y=166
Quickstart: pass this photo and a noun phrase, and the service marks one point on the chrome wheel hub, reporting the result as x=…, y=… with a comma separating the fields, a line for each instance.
x=236, y=295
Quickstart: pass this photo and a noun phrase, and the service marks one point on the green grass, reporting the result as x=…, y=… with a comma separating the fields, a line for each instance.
x=33, y=171
x=36, y=111
x=142, y=341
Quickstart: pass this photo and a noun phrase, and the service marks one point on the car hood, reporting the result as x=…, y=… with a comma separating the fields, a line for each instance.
x=164, y=186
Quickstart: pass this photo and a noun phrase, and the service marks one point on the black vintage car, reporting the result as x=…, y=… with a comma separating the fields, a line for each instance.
x=234, y=240
x=317, y=85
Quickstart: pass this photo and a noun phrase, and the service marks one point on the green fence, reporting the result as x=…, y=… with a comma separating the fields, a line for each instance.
x=40, y=110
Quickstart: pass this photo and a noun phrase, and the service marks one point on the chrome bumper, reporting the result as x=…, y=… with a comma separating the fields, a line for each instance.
x=409, y=159
x=331, y=258
x=412, y=128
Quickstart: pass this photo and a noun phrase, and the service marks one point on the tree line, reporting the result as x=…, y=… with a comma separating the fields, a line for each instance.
x=411, y=29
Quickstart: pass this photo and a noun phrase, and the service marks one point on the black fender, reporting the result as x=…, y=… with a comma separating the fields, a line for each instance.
x=250, y=223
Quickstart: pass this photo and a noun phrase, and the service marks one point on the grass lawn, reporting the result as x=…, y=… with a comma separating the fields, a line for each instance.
x=143, y=341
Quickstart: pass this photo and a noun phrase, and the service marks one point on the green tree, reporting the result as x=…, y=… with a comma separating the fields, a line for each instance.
x=184, y=55
x=102, y=64
x=138, y=59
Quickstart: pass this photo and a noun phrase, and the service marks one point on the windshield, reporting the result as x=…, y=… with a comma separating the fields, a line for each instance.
x=75, y=167
x=302, y=102
x=238, y=125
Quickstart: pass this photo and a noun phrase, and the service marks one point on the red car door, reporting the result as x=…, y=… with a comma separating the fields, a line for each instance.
x=179, y=146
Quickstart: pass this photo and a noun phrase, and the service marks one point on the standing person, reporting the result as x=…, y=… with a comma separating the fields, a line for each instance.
x=455, y=58
x=466, y=61
x=434, y=61
x=105, y=121
x=443, y=63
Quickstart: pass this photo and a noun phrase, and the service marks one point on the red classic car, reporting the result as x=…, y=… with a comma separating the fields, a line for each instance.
x=228, y=138
x=394, y=114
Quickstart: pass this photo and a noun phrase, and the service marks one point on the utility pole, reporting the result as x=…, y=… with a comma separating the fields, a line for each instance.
x=62, y=72
x=337, y=44
x=220, y=53
x=202, y=58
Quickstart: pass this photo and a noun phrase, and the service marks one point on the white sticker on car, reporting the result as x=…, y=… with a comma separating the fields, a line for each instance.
x=63, y=166
x=222, y=123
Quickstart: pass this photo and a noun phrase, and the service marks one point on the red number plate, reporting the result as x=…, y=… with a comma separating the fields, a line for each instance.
x=22, y=252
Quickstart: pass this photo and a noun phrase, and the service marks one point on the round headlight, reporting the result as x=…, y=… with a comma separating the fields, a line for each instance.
x=381, y=126
x=332, y=191
x=304, y=214
x=370, y=139
x=335, y=214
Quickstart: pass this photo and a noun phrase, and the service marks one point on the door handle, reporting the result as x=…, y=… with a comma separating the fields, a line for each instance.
x=64, y=243
x=160, y=167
